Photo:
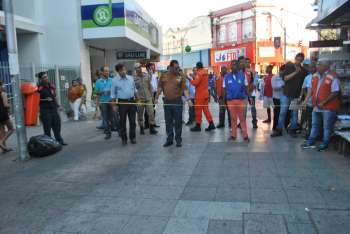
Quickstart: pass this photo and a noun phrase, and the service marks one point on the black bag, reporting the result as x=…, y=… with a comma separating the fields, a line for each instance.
x=42, y=146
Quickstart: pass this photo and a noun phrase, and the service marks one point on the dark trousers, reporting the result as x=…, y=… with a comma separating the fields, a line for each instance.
x=127, y=111
x=222, y=112
x=51, y=120
x=173, y=119
x=191, y=113
x=253, y=109
x=107, y=117
x=276, y=112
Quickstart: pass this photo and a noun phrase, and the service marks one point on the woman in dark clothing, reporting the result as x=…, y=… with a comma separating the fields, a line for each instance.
x=5, y=122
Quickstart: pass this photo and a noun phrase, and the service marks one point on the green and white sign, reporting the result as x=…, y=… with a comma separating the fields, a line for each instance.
x=103, y=15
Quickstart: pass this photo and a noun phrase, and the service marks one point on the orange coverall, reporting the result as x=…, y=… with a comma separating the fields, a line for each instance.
x=202, y=96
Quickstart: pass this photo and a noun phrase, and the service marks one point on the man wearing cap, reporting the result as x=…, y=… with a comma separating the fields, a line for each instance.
x=144, y=90
x=202, y=99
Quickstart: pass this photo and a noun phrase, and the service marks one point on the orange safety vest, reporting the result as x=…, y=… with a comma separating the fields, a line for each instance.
x=324, y=91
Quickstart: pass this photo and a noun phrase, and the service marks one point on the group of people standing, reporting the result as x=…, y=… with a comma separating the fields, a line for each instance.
x=305, y=87
x=304, y=95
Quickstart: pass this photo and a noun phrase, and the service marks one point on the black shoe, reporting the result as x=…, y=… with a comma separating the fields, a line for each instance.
x=189, y=123
x=63, y=143
x=156, y=126
x=100, y=127
x=277, y=133
x=267, y=121
x=255, y=126
x=142, y=131
x=133, y=141
x=178, y=144
x=168, y=143
x=153, y=131
x=239, y=126
x=220, y=126
x=108, y=136
x=210, y=127
x=196, y=128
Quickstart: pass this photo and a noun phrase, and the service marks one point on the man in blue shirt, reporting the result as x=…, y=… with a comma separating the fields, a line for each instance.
x=235, y=90
x=103, y=91
x=123, y=93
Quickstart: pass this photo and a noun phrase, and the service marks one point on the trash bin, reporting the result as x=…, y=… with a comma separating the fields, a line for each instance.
x=31, y=103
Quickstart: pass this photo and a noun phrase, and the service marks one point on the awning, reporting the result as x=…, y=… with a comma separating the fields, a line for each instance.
x=337, y=18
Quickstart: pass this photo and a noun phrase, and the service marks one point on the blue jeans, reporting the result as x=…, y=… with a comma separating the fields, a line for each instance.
x=328, y=118
x=285, y=103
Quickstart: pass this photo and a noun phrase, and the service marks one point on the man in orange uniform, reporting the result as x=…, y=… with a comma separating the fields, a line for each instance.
x=202, y=99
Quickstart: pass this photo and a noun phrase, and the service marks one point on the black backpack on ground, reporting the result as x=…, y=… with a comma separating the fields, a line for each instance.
x=43, y=146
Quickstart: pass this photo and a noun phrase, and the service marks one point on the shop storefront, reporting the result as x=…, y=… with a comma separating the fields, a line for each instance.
x=119, y=31
x=333, y=17
x=224, y=56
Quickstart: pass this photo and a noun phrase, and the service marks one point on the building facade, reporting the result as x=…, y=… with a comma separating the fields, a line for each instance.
x=82, y=35
x=255, y=29
x=196, y=36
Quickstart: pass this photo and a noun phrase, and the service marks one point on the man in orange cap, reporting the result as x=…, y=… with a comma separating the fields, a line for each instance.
x=202, y=99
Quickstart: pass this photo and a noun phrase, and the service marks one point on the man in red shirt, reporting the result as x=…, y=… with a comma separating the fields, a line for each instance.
x=202, y=99
x=219, y=92
x=268, y=100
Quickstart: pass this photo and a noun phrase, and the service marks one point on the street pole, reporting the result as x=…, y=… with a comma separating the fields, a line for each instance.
x=285, y=44
x=182, y=53
x=14, y=73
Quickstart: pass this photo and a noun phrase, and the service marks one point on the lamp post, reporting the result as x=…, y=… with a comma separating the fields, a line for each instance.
x=283, y=26
x=14, y=73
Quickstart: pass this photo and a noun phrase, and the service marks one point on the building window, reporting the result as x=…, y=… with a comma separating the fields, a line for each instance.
x=222, y=34
x=233, y=32
x=247, y=29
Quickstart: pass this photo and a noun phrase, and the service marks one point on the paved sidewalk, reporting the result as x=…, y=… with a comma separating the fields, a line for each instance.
x=208, y=186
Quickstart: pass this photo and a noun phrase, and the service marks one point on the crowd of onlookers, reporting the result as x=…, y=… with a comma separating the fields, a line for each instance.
x=302, y=97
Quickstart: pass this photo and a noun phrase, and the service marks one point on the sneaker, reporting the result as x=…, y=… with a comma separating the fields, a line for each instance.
x=307, y=145
x=322, y=148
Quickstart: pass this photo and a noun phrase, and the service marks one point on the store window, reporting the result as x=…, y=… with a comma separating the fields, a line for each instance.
x=233, y=32
x=222, y=34
x=248, y=29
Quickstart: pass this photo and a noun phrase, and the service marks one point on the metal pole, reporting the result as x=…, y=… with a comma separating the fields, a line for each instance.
x=182, y=52
x=14, y=73
x=285, y=44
